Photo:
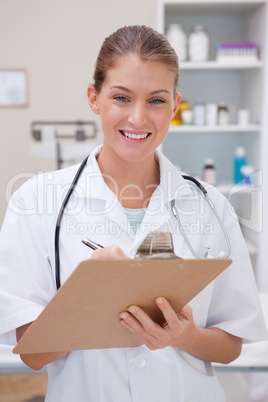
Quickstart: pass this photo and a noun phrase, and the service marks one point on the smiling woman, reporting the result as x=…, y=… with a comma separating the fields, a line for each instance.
x=136, y=77
x=136, y=103
x=128, y=189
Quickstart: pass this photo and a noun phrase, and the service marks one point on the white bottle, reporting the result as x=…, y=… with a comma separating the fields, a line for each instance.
x=198, y=44
x=178, y=40
x=211, y=114
x=199, y=113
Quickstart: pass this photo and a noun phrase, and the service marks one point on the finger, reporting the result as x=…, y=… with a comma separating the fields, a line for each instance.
x=109, y=253
x=186, y=312
x=130, y=322
x=168, y=312
x=150, y=327
x=150, y=345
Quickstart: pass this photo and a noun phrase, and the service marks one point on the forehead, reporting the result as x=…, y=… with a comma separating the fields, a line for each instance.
x=132, y=70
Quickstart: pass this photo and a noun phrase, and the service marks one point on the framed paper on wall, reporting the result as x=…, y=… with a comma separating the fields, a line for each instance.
x=13, y=87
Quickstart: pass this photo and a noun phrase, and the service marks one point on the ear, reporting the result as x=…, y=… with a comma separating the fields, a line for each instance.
x=176, y=103
x=93, y=99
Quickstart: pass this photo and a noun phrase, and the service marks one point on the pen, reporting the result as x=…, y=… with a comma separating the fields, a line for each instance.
x=91, y=244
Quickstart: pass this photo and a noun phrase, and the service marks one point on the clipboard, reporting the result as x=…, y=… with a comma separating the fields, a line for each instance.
x=84, y=313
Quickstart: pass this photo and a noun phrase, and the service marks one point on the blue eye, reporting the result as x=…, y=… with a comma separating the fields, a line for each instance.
x=121, y=98
x=158, y=100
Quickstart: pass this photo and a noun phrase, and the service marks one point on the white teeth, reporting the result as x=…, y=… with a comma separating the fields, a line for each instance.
x=135, y=136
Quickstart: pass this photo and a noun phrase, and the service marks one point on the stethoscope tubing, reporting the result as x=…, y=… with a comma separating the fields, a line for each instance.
x=57, y=229
x=215, y=213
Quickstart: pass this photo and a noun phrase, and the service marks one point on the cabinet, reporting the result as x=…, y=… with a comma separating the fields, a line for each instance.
x=242, y=85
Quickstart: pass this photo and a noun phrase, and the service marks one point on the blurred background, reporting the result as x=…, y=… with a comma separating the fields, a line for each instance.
x=57, y=43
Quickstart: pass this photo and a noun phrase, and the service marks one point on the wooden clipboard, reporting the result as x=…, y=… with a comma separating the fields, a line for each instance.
x=84, y=314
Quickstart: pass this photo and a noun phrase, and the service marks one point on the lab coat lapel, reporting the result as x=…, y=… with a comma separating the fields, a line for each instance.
x=115, y=212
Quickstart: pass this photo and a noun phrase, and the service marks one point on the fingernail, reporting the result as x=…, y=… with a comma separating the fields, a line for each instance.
x=160, y=300
x=132, y=310
x=123, y=316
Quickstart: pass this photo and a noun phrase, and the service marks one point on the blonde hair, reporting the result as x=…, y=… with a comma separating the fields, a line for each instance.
x=141, y=41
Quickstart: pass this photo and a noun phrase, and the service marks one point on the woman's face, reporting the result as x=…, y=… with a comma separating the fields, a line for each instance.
x=136, y=104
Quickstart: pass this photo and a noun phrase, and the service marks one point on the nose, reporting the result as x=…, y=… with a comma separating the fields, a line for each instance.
x=137, y=116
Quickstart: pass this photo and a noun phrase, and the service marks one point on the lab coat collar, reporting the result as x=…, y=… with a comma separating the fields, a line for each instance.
x=93, y=187
x=172, y=184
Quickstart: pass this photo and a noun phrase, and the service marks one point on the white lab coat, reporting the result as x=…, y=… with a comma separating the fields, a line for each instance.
x=27, y=282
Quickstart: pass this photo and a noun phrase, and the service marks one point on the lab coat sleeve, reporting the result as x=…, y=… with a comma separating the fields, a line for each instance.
x=26, y=278
x=235, y=306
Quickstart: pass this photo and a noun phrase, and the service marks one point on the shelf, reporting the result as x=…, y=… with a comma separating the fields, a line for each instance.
x=200, y=6
x=214, y=129
x=217, y=65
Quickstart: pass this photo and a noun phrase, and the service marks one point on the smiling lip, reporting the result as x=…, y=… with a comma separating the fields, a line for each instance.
x=134, y=135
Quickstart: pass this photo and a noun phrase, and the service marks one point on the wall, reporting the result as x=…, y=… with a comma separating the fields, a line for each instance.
x=57, y=41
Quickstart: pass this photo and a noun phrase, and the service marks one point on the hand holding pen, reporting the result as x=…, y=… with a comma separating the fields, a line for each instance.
x=105, y=253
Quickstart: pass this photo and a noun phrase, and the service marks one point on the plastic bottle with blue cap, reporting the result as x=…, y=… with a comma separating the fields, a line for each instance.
x=239, y=162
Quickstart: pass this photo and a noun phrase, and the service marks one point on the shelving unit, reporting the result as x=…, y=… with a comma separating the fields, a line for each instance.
x=215, y=65
x=232, y=128
x=242, y=85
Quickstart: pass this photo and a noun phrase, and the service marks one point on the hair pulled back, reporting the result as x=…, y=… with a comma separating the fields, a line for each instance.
x=142, y=41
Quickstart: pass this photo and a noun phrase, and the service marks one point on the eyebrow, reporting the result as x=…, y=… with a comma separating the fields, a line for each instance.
x=129, y=90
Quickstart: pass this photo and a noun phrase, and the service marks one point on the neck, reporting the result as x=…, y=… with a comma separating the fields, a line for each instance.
x=132, y=182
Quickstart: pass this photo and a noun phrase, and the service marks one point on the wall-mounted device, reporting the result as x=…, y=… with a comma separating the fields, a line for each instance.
x=60, y=137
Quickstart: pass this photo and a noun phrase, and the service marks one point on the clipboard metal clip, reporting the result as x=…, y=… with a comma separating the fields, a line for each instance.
x=157, y=245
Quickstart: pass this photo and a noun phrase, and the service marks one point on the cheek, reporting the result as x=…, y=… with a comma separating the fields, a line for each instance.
x=112, y=114
x=163, y=118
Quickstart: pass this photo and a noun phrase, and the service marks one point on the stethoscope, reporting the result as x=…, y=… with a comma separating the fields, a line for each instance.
x=190, y=178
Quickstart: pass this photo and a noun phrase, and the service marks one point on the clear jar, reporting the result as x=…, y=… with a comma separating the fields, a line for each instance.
x=178, y=39
x=198, y=44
